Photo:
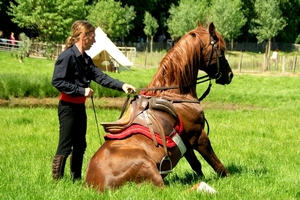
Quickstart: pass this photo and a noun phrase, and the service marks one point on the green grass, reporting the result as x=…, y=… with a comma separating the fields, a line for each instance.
x=32, y=78
x=254, y=133
x=254, y=124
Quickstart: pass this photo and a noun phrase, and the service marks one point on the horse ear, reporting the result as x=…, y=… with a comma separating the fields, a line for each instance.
x=199, y=24
x=212, y=29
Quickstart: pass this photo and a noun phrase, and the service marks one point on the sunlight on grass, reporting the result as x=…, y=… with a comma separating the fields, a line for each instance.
x=254, y=124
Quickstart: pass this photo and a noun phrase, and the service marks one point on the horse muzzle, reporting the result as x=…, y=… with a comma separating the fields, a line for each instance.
x=226, y=78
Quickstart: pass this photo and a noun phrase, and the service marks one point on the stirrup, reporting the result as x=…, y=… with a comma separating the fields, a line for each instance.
x=166, y=158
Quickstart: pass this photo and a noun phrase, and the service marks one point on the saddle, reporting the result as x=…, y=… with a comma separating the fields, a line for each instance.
x=156, y=113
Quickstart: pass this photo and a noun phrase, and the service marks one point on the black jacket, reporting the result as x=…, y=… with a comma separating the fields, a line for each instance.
x=73, y=73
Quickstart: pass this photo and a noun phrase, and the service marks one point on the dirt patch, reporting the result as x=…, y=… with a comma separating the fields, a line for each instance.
x=105, y=102
x=226, y=106
x=52, y=102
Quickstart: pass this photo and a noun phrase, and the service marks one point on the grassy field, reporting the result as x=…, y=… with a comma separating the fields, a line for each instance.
x=254, y=124
x=33, y=78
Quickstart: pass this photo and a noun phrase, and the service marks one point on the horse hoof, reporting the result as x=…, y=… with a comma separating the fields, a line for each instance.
x=204, y=187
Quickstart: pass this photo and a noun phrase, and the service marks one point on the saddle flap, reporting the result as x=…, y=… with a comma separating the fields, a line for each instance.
x=137, y=105
x=162, y=111
x=163, y=105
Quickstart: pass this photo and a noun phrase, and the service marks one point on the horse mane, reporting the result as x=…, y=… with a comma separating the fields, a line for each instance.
x=180, y=65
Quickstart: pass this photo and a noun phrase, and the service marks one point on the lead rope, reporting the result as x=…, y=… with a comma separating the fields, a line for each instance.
x=96, y=120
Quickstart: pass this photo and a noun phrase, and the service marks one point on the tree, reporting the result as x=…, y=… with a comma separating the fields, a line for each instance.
x=150, y=28
x=290, y=10
x=51, y=19
x=268, y=22
x=184, y=17
x=114, y=20
x=158, y=9
x=230, y=22
x=23, y=49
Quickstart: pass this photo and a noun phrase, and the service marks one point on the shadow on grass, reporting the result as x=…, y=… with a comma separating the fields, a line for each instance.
x=235, y=169
x=187, y=178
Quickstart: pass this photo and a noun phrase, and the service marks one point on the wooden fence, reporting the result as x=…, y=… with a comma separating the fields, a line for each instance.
x=241, y=59
x=258, y=63
x=6, y=44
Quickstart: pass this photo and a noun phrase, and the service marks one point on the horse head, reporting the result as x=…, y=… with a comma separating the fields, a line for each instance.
x=200, y=49
x=213, y=51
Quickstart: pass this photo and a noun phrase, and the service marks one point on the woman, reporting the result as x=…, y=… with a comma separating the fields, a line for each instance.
x=12, y=38
x=73, y=72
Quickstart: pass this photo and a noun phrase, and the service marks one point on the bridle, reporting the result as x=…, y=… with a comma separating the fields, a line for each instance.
x=200, y=79
x=214, y=47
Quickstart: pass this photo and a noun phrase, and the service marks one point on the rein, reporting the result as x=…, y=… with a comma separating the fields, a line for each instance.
x=206, y=77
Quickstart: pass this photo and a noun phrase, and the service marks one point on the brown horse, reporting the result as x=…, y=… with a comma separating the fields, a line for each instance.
x=169, y=107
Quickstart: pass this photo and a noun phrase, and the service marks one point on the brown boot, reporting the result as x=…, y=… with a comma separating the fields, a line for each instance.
x=58, y=166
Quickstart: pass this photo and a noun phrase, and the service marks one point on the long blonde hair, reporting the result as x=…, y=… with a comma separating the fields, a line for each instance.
x=78, y=27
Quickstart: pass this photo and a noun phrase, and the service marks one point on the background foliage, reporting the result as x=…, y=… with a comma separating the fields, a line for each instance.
x=150, y=28
x=182, y=18
x=114, y=20
x=52, y=19
x=229, y=23
x=267, y=24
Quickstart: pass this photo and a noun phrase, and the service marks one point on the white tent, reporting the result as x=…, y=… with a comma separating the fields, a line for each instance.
x=103, y=43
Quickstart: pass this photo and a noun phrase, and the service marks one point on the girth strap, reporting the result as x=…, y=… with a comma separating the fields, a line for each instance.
x=160, y=130
x=150, y=126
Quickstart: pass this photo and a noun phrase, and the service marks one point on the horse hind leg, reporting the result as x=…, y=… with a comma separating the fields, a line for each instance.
x=148, y=172
x=115, y=168
x=205, y=149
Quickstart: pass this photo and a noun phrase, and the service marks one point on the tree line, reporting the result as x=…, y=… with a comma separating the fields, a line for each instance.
x=127, y=20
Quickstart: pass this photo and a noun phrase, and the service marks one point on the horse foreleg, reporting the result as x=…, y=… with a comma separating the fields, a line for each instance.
x=207, y=152
x=194, y=162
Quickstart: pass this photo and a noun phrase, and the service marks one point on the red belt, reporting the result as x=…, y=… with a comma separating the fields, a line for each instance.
x=72, y=99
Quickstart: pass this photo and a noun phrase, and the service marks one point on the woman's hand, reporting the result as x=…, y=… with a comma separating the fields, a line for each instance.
x=128, y=89
x=88, y=92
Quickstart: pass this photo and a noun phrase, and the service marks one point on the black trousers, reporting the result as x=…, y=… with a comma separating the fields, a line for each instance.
x=72, y=129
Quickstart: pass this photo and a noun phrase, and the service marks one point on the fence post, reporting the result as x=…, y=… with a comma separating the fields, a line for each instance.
x=252, y=59
x=264, y=63
x=146, y=59
x=283, y=66
x=240, y=63
x=294, y=63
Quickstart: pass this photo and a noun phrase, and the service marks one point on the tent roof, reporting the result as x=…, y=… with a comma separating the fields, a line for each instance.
x=104, y=43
